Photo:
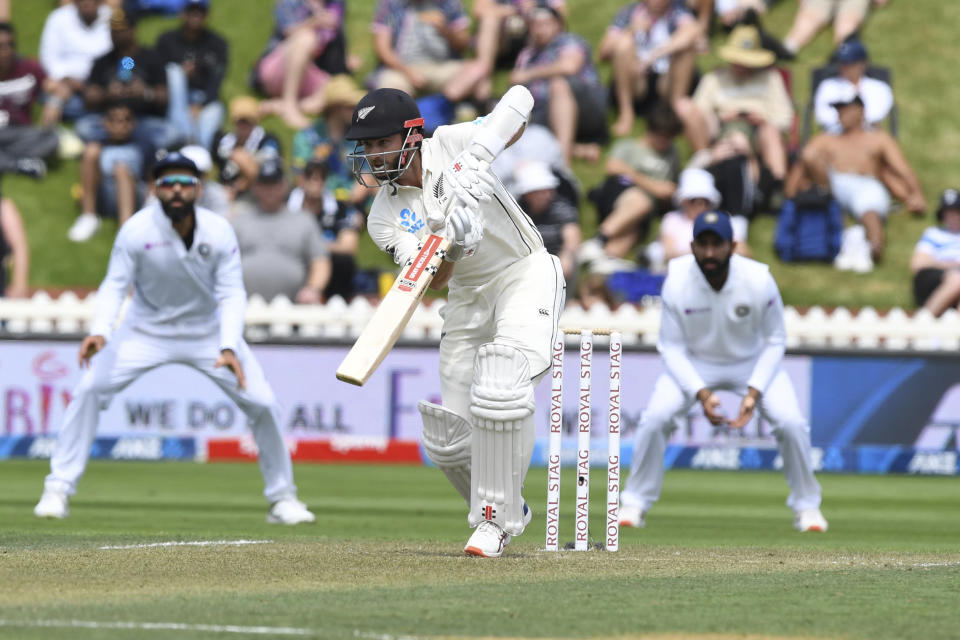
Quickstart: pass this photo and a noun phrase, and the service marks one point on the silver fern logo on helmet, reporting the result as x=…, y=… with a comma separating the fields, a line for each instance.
x=363, y=113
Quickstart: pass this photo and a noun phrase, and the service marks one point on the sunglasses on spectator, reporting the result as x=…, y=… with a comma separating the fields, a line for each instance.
x=167, y=182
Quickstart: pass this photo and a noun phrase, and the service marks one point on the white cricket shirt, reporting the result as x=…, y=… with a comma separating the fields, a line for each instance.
x=177, y=293
x=742, y=322
x=398, y=222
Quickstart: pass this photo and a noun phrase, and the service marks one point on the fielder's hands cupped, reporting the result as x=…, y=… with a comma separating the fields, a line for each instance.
x=229, y=360
x=747, y=407
x=465, y=231
x=471, y=179
x=711, y=406
x=90, y=346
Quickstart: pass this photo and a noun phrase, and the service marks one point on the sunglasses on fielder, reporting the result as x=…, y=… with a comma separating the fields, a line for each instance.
x=362, y=162
x=168, y=182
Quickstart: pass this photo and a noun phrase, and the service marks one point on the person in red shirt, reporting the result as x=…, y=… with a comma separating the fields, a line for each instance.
x=23, y=147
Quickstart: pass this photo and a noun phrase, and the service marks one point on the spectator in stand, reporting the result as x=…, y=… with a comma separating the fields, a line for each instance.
x=814, y=15
x=73, y=37
x=340, y=223
x=419, y=44
x=287, y=71
x=502, y=30
x=196, y=61
x=238, y=153
x=651, y=45
x=537, y=143
x=935, y=262
x=696, y=193
x=877, y=96
x=746, y=100
x=14, y=251
x=111, y=173
x=23, y=148
x=592, y=290
x=641, y=178
x=283, y=253
x=132, y=74
x=557, y=220
x=557, y=68
x=325, y=139
x=852, y=165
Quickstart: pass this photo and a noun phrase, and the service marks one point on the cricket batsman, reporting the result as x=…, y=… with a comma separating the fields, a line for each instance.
x=505, y=293
x=188, y=308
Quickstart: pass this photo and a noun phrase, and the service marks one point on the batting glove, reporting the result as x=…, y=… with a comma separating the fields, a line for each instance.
x=465, y=230
x=470, y=179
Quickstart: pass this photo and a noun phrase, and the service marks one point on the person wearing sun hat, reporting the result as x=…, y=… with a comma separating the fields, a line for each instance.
x=744, y=101
x=325, y=138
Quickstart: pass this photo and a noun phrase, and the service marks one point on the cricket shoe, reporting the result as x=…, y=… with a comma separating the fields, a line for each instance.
x=53, y=504
x=632, y=517
x=489, y=540
x=809, y=520
x=289, y=511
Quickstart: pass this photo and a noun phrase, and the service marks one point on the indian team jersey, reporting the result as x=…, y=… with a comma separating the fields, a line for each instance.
x=741, y=322
x=397, y=222
x=177, y=292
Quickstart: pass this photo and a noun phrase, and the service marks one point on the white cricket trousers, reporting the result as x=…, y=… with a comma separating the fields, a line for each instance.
x=778, y=405
x=129, y=355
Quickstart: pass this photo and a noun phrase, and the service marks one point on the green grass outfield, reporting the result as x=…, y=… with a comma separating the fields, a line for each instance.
x=718, y=559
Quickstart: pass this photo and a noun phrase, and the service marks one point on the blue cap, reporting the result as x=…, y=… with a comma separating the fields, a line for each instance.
x=197, y=4
x=174, y=160
x=716, y=221
x=850, y=51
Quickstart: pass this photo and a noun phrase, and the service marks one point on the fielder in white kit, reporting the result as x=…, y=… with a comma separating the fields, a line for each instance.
x=188, y=308
x=721, y=327
x=505, y=293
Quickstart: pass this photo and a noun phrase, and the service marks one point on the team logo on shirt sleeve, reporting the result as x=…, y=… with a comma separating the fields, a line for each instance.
x=410, y=221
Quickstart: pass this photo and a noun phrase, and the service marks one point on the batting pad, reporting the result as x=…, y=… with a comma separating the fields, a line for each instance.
x=501, y=401
x=446, y=441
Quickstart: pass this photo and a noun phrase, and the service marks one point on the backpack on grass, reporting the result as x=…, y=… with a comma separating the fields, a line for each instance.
x=810, y=227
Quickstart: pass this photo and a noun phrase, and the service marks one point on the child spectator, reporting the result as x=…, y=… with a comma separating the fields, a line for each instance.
x=110, y=173
x=641, y=179
x=196, y=61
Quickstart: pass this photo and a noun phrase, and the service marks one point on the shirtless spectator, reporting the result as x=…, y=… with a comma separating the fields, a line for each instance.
x=23, y=147
x=935, y=262
x=852, y=165
x=287, y=71
x=73, y=36
x=557, y=68
x=745, y=100
x=877, y=96
x=419, y=44
x=813, y=15
x=651, y=48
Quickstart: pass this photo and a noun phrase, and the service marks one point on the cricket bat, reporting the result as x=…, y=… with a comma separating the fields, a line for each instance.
x=390, y=318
